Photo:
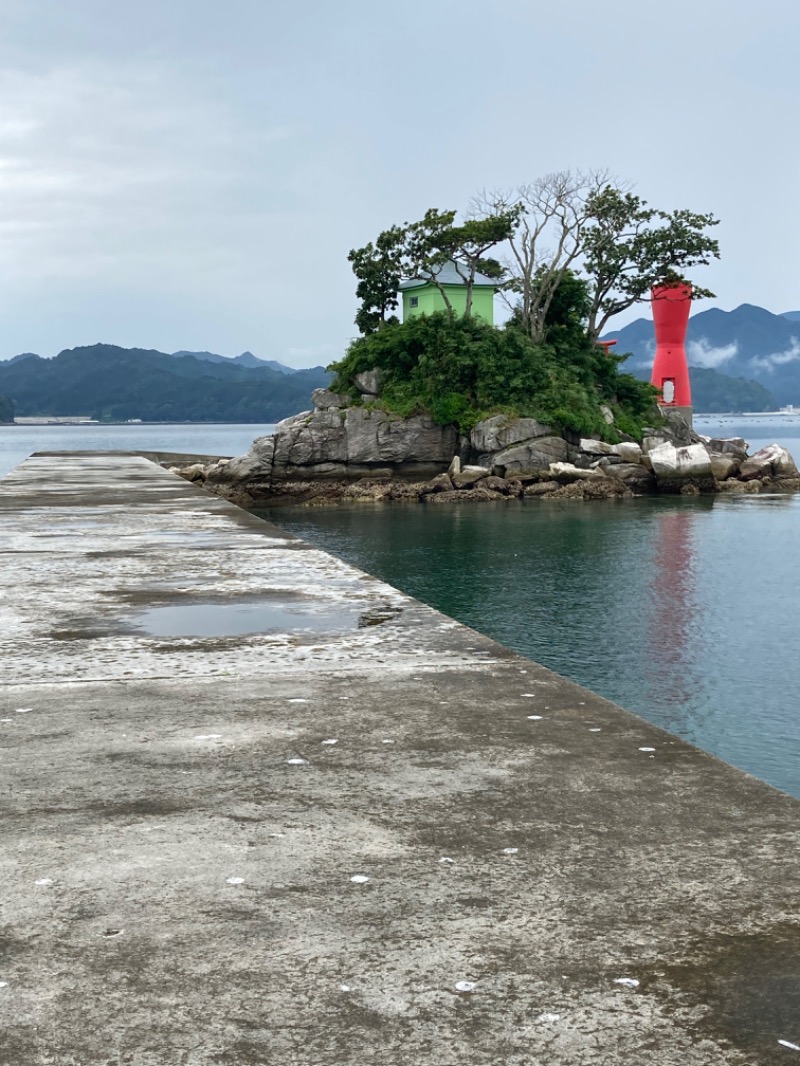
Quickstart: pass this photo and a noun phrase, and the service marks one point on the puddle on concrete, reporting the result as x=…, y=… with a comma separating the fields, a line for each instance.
x=242, y=618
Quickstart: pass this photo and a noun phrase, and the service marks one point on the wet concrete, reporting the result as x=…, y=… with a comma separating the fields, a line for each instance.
x=388, y=842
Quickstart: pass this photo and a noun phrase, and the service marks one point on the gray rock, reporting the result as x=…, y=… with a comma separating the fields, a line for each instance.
x=316, y=441
x=369, y=382
x=628, y=451
x=632, y=474
x=596, y=447
x=501, y=431
x=608, y=414
x=499, y=484
x=440, y=483
x=723, y=466
x=323, y=399
x=771, y=461
x=243, y=468
x=736, y=446
x=455, y=466
x=532, y=456
x=195, y=472
x=570, y=472
x=470, y=475
x=302, y=418
x=262, y=449
x=377, y=437
x=691, y=460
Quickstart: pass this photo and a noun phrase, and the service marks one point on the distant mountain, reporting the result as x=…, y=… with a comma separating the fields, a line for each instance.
x=115, y=384
x=748, y=343
x=715, y=393
x=245, y=359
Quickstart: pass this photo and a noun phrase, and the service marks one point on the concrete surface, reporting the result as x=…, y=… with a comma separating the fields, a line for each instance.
x=193, y=872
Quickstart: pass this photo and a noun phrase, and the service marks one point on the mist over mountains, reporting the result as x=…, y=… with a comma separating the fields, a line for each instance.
x=746, y=345
x=113, y=384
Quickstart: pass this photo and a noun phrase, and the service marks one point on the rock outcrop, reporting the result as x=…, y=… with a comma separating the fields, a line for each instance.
x=338, y=451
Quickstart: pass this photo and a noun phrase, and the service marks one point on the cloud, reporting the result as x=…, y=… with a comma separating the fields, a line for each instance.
x=769, y=362
x=701, y=353
x=100, y=167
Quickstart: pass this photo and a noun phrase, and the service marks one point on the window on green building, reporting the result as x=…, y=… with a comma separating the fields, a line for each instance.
x=413, y=301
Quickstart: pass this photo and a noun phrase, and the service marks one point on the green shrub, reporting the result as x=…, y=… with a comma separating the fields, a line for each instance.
x=462, y=370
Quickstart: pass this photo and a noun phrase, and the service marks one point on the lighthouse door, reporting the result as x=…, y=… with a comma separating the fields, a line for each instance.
x=668, y=390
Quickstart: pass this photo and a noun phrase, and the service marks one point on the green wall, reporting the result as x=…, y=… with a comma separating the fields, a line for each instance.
x=430, y=300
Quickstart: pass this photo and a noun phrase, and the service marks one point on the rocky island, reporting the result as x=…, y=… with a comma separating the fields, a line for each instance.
x=444, y=406
x=339, y=451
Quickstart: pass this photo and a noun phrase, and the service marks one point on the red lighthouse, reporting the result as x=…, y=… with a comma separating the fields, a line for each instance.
x=670, y=376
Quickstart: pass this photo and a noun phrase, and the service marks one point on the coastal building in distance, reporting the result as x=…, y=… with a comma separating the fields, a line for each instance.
x=421, y=296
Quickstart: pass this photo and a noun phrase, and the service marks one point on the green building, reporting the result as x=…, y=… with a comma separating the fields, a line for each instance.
x=422, y=297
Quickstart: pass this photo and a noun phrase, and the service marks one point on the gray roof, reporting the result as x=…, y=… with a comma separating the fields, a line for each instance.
x=448, y=275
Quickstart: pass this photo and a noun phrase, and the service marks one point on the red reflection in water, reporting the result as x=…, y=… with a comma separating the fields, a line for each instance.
x=672, y=616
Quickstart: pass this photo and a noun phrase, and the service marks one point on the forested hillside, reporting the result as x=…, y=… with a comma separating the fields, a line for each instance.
x=116, y=384
x=746, y=345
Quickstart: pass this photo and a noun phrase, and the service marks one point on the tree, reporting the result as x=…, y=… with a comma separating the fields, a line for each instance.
x=435, y=241
x=378, y=269
x=628, y=247
x=546, y=240
x=422, y=250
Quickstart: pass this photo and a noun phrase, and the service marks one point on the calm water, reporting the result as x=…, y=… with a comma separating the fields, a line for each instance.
x=709, y=649
x=683, y=610
x=17, y=442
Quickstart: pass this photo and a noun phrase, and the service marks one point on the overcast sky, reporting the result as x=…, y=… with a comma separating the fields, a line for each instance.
x=191, y=174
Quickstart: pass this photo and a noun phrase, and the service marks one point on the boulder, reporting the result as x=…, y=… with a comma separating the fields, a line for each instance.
x=735, y=446
x=723, y=466
x=608, y=414
x=499, y=484
x=595, y=447
x=195, y=472
x=628, y=451
x=469, y=476
x=570, y=472
x=771, y=461
x=241, y=469
x=532, y=456
x=455, y=466
x=633, y=475
x=691, y=460
x=440, y=483
x=324, y=399
x=501, y=431
x=369, y=382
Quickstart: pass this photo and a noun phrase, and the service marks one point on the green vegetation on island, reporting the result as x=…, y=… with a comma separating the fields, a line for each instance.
x=6, y=409
x=566, y=253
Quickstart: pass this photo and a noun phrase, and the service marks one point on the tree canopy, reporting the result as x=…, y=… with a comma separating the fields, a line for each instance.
x=579, y=223
x=569, y=251
x=460, y=370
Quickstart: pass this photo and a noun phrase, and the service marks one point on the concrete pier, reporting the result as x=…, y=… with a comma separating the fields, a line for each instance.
x=365, y=834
